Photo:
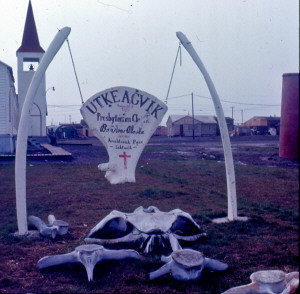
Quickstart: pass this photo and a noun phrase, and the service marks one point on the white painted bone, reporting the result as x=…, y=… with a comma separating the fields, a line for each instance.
x=21, y=148
x=62, y=225
x=150, y=226
x=270, y=282
x=55, y=227
x=186, y=265
x=230, y=174
x=88, y=255
x=123, y=119
x=107, y=167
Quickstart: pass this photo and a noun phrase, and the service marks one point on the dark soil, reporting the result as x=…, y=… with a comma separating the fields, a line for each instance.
x=247, y=150
x=172, y=173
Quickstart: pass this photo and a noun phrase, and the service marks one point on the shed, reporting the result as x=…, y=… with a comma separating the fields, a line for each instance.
x=160, y=131
x=182, y=125
x=261, y=125
x=66, y=132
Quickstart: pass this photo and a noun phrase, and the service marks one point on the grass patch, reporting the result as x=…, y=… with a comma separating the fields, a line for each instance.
x=262, y=149
x=156, y=193
x=80, y=195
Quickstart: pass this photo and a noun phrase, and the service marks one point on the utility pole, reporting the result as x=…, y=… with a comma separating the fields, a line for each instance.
x=193, y=116
x=232, y=111
x=242, y=116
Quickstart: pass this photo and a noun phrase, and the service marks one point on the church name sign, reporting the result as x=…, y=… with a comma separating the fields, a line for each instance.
x=123, y=119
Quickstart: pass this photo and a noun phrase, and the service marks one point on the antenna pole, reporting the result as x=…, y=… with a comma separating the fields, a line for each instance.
x=193, y=116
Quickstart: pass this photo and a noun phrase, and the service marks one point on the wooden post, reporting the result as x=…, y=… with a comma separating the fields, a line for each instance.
x=193, y=116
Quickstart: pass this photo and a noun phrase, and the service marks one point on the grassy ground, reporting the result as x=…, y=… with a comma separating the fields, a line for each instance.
x=80, y=195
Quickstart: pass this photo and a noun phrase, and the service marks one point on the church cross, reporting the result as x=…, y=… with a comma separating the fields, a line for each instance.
x=125, y=159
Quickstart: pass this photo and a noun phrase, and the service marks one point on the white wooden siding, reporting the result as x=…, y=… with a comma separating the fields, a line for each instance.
x=3, y=99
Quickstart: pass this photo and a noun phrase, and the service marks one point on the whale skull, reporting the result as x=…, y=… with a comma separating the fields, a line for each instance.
x=148, y=229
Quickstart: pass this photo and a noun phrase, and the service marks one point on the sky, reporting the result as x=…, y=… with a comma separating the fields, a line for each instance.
x=245, y=45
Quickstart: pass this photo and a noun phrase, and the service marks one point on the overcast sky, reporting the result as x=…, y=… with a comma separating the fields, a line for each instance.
x=245, y=45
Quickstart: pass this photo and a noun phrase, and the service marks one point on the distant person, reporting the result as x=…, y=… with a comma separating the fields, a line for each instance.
x=52, y=138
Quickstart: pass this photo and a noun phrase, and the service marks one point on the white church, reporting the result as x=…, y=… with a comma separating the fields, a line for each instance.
x=29, y=55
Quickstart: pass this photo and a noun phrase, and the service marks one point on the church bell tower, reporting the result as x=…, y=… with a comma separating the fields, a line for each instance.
x=29, y=56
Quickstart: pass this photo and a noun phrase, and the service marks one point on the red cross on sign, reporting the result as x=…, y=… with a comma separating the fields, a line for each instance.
x=125, y=159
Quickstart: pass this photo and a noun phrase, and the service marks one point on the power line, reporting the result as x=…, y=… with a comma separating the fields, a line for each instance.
x=242, y=103
x=256, y=104
x=75, y=71
x=175, y=97
x=226, y=101
x=64, y=105
x=178, y=51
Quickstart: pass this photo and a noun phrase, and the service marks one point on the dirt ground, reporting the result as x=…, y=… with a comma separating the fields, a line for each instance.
x=168, y=176
x=247, y=150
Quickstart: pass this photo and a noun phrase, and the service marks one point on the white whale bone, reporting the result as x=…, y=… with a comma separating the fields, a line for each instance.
x=177, y=272
x=149, y=227
x=123, y=119
x=126, y=239
x=55, y=227
x=165, y=258
x=229, y=165
x=21, y=147
x=44, y=229
x=291, y=286
x=268, y=281
x=189, y=238
x=174, y=242
x=186, y=265
x=62, y=225
x=165, y=269
x=215, y=265
x=51, y=219
x=88, y=255
x=107, y=167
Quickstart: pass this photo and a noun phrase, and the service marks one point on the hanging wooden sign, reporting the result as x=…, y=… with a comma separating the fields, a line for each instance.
x=123, y=119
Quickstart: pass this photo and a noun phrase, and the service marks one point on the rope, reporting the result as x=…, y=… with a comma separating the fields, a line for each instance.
x=75, y=71
x=178, y=50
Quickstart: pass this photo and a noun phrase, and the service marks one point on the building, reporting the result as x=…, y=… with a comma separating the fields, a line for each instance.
x=9, y=117
x=160, y=131
x=229, y=123
x=70, y=131
x=84, y=131
x=182, y=125
x=29, y=55
x=241, y=131
x=262, y=125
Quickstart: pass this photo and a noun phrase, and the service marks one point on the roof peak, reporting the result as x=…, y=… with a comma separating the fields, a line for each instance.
x=30, y=41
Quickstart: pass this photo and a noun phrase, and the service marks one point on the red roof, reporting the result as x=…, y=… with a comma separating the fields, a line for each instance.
x=30, y=41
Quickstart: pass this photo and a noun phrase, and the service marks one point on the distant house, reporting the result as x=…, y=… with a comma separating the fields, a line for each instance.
x=70, y=131
x=85, y=131
x=182, y=125
x=160, y=131
x=63, y=131
x=230, y=125
x=241, y=131
x=261, y=125
x=9, y=109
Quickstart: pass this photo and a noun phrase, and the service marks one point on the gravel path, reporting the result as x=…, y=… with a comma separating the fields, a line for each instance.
x=254, y=150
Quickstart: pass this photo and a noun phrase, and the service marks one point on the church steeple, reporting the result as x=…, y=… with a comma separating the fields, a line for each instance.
x=29, y=56
x=30, y=41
